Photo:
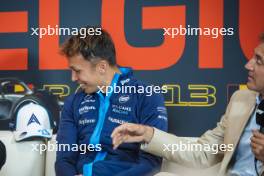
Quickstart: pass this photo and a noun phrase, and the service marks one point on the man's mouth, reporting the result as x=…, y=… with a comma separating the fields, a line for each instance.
x=250, y=77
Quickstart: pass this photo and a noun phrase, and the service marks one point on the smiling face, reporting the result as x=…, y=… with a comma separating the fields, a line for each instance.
x=85, y=73
x=92, y=59
x=255, y=67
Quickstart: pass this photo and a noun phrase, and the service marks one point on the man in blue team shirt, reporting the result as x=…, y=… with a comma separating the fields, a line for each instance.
x=89, y=116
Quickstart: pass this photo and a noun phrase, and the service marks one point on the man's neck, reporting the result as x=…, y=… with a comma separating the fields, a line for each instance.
x=110, y=76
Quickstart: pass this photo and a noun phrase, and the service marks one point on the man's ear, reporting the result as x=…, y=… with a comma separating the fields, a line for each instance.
x=102, y=67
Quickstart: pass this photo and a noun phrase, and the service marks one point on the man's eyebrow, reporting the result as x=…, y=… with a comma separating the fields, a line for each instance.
x=72, y=67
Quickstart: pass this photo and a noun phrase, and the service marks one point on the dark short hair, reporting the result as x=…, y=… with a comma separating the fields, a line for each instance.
x=92, y=47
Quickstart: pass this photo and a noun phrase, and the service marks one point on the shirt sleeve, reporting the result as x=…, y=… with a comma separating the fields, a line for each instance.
x=66, y=159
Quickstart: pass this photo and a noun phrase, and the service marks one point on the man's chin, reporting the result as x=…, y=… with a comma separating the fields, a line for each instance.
x=251, y=86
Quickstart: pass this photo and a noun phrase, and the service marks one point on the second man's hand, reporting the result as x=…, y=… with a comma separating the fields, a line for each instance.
x=130, y=133
x=257, y=145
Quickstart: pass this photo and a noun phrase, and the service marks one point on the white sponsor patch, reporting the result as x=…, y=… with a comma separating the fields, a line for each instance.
x=88, y=99
x=86, y=109
x=118, y=121
x=124, y=99
x=125, y=81
x=162, y=109
x=119, y=107
x=162, y=117
x=86, y=121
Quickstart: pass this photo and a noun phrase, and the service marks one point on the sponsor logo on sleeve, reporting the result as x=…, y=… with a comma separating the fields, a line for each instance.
x=123, y=99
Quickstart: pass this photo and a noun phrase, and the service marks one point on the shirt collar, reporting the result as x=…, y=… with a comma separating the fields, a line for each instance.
x=258, y=99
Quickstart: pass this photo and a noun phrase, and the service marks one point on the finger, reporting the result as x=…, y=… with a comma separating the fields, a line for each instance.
x=256, y=149
x=127, y=139
x=119, y=139
x=115, y=146
x=117, y=135
x=116, y=139
x=256, y=140
x=118, y=130
x=257, y=134
x=254, y=145
x=255, y=152
x=117, y=143
x=132, y=127
x=121, y=129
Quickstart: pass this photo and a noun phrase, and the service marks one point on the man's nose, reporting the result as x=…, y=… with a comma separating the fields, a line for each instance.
x=250, y=64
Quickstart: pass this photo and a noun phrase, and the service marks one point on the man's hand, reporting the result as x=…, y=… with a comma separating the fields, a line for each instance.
x=129, y=132
x=257, y=145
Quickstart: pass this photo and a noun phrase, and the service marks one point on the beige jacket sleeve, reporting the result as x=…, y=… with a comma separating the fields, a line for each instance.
x=200, y=159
